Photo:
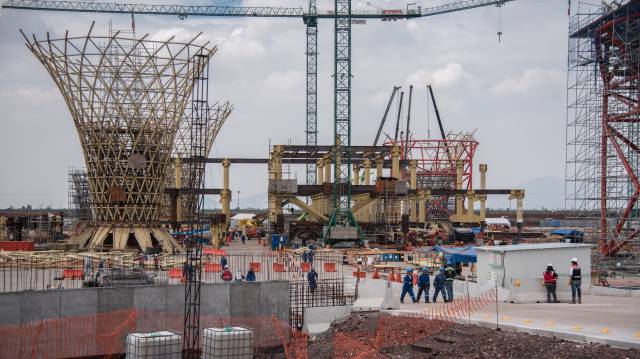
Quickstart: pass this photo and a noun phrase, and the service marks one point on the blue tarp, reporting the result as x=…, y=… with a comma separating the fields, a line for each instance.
x=568, y=232
x=456, y=255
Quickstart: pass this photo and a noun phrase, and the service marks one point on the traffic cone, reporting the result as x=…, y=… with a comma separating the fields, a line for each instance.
x=375, y=275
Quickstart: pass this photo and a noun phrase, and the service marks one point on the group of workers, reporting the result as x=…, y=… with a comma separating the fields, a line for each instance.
x=227, y=276
x=442, y=283
x=575, y=281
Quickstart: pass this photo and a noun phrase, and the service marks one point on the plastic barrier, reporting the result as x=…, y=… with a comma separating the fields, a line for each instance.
x=360, y=274
x=72, y=274
x=278, y=267
x=213, y=267
x=175, y=273
x=16, y=245
x=305, y=267
x=330, y=267
x=255, y=266
x=376, y=274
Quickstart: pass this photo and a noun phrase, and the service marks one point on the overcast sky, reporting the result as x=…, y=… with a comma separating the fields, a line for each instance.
x=513, y=92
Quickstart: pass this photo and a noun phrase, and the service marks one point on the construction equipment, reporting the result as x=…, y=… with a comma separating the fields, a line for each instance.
x=386, y=112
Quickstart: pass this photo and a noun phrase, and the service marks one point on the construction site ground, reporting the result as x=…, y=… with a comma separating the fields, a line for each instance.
x=452, y=340
x=601, y=319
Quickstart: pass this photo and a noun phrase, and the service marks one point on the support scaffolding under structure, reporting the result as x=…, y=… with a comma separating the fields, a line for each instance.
x=603, y=126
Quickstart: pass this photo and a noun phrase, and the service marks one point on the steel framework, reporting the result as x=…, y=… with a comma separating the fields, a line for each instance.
x=603, y=124
x=126, y=97
x=79, y=197
x=311, y=131
x=437, y=167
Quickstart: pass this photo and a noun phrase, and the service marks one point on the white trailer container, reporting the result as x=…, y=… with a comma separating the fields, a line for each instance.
x=519, y=269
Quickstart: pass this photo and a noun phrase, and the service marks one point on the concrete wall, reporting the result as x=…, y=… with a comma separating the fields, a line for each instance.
x=522, y=270
x=219, y=299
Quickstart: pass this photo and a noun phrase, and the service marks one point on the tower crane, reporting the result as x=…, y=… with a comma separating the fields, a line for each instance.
x=341, y=217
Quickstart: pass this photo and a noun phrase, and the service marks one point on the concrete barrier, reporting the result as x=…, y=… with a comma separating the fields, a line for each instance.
x=614, y=292
x=246, y=299
x=376, y=294
x=318, y=320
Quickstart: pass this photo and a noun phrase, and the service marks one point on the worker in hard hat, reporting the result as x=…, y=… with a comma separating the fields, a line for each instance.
x=407, y=286
x=312, y=278
x=450, y=274
x=550, y=278
x=226, y=274
x=575, y=281
x=423, y=285
x=438, y=285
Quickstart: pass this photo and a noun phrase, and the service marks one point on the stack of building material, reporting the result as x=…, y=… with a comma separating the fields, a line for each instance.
x=229, y=342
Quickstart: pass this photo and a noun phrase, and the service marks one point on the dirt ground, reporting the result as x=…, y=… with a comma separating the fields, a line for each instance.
x=399, y=337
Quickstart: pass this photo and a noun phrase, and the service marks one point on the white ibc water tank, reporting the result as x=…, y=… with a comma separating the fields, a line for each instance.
x=228, y=342
x=161, y=345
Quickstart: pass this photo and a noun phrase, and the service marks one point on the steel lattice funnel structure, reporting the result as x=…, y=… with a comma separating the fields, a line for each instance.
x=127, y=98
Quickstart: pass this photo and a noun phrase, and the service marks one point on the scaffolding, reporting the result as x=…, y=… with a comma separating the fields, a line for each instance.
x=79, y=197
x=603, y=126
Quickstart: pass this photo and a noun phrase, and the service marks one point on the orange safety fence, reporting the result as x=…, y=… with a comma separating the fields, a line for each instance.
x=305, y=266
x=105, y=334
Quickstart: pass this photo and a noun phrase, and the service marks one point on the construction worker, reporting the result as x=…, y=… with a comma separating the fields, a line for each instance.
x=423, y=285
x=226, y=274
x=251, y=275
x=575, y=280
x=450, y=274
x=223, y=262
x=550, y=278
x=438, y=285
x=312, y=278
x=407, y=286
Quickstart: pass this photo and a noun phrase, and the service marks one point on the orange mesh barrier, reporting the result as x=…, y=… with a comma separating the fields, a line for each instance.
x=354, y=346
x=255, y=266
x=212, y=267
x=104, y=335
x=330, y=267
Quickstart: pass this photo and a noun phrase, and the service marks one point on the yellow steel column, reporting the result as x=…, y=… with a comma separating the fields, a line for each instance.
x=319, y=171
x=327, y=170
x=367, y=171
x=379, y=166
x=395, y=162
x=225, y=195
x=483, y=197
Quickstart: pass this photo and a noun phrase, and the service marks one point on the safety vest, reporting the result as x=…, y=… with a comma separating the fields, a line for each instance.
x=576, y=273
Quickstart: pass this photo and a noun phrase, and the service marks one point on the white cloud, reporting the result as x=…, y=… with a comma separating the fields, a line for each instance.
x=441, y=77
x=284, y=80
x=529, y=80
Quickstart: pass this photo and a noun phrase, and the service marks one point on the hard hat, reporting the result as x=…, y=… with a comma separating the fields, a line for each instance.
x=549, y=265
x=574, y=260
x=409, y=270
x=425, y=269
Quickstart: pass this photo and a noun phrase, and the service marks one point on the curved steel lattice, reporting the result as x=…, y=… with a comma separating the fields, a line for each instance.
x=216, y=115
x=127, y=98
